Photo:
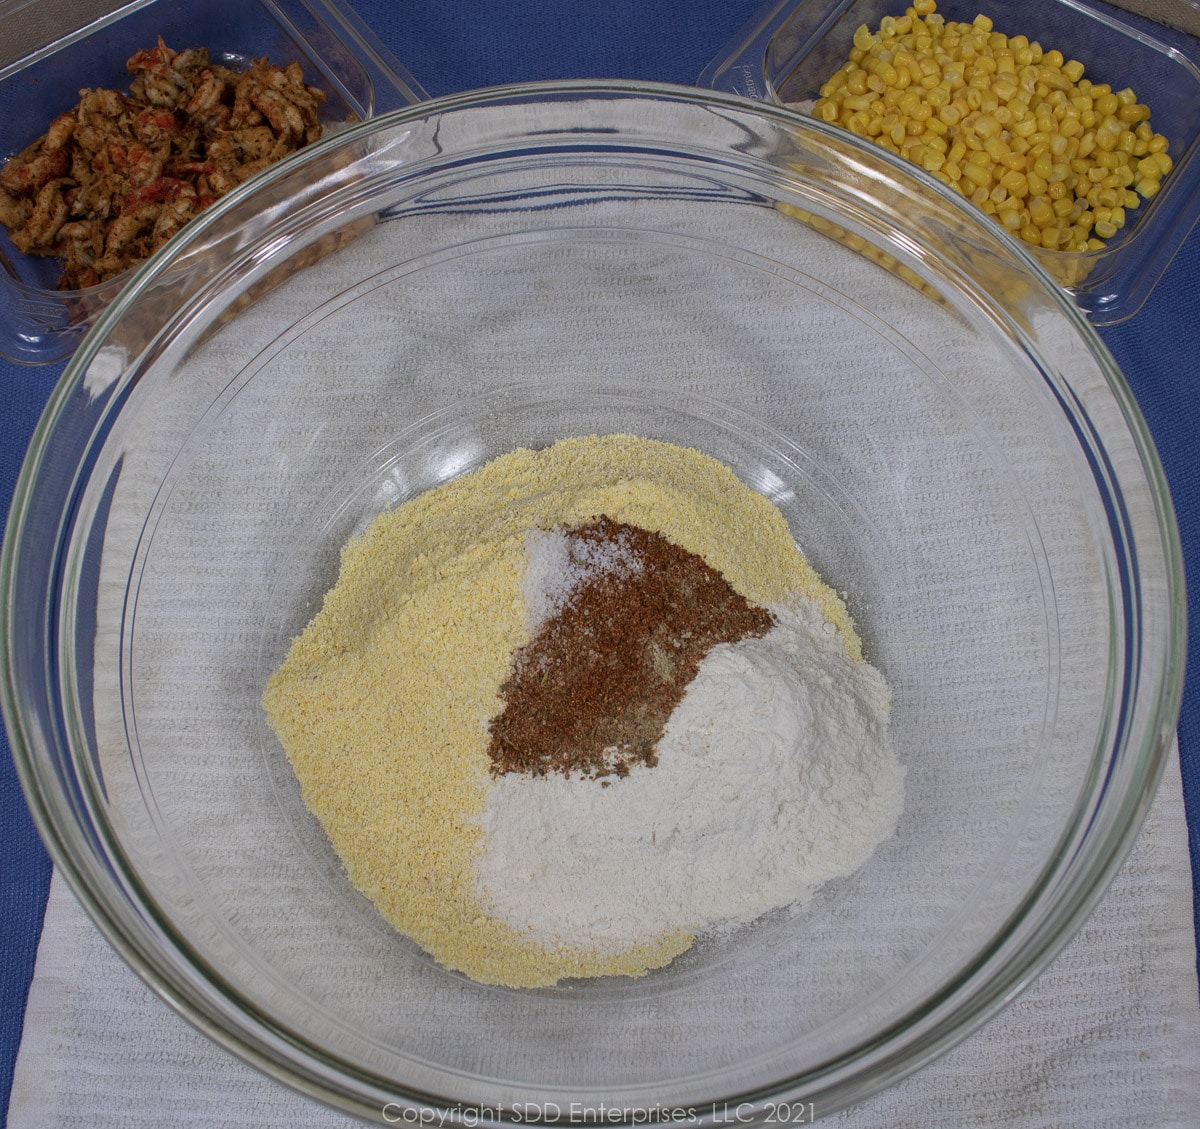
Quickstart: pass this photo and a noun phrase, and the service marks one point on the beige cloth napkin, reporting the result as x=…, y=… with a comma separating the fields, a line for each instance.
x=1108, y=1035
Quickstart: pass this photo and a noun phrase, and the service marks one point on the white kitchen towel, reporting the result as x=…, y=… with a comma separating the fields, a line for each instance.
x=1108, y=1035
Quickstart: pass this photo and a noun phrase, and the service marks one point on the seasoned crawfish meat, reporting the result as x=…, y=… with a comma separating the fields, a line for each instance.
x=114, y=178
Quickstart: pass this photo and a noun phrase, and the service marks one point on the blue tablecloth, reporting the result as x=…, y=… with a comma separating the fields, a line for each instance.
x=478, y=43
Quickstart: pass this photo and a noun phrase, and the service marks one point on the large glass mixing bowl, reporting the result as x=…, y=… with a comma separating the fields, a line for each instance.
x=950, y=442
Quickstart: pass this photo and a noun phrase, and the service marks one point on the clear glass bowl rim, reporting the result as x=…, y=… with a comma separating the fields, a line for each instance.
x=200, y=997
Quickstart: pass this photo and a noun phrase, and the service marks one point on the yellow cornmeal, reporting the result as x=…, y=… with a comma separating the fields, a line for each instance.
x=383, y=701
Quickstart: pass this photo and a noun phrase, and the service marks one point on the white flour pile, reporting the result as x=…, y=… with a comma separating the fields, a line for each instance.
x=774, y=776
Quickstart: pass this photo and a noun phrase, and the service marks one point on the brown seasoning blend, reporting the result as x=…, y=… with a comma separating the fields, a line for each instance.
x=592, y=691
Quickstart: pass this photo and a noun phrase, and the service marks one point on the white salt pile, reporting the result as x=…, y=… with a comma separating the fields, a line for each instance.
x=557, y=564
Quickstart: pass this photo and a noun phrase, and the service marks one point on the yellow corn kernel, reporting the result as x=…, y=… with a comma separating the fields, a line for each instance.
x=1073, y=69
x=1004, y=89
x=935, y=127
x=1147, y=188
x=1106, y=230
x=1015, y=184
x=856, y=81
x=1165, y=163
x=996, y=149
x=938, y=97
x=1040, y=211
x=977, y=175
x=986, y=126
x=1010, y=218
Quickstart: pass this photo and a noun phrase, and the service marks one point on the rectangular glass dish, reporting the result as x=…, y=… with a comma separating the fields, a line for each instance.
x=43, y=67
x=789, y=50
